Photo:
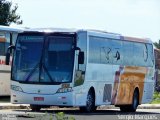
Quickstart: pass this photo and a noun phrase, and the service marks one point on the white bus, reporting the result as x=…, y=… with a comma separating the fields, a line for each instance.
x=83, y=68
x=7, y=37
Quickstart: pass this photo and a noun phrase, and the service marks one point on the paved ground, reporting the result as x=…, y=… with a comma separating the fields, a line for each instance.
x=52, y=114
x=26, y=106
x=10, y=111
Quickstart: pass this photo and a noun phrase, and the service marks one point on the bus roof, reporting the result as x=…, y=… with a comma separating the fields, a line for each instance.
x=127, y=38
x=10, y=29
x=92, y=31
x=51, y=30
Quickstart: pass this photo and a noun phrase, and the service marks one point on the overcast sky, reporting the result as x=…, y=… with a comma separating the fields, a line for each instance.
x=138, y=18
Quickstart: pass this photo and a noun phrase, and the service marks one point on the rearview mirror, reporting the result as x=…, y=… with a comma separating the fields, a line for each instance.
x=8, y=54
x=7, y=60
x=81, y=58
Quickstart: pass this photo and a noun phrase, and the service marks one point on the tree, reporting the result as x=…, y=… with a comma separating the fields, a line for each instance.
x=157, y=44
x=8, y=13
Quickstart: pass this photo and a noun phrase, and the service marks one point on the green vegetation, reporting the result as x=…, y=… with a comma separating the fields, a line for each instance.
x=8, y=13
x=157, y=44
x=61, y=116
x=156, y=98
x=49, y=116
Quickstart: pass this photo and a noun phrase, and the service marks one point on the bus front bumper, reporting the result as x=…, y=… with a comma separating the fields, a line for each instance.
x=58, y=99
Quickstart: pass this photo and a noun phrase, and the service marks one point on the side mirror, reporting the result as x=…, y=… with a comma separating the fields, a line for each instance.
x=81, y=58
x=7, y=60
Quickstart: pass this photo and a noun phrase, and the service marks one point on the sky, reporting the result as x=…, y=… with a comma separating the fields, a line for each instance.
x=137, y=18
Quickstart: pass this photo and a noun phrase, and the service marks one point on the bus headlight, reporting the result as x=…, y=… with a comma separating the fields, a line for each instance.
x=64, y=90
x=16, y=88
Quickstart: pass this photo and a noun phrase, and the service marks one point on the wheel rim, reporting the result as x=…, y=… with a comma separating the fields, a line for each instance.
x=89, y=102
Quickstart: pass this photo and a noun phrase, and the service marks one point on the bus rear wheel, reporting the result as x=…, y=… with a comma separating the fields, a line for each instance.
x=133, y=106
x=124, y=108
x=135, y=101
x=35, y=107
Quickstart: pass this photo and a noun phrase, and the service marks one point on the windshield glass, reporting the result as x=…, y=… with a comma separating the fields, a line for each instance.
x=27, y=57
x=59, y=58
x=40, y=59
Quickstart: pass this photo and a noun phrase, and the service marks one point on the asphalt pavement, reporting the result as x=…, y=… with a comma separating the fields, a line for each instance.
x=5, y=104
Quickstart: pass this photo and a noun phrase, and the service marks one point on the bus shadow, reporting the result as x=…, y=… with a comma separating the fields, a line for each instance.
x=4, y=99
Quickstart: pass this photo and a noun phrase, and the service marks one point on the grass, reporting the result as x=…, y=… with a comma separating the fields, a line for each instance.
x=156, y=98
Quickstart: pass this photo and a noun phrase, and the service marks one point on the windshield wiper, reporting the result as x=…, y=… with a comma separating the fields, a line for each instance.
x=30, y=74
x=34, y=69
x=46, y=70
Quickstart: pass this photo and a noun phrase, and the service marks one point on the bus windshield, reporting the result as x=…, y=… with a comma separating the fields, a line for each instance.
x=40, y=59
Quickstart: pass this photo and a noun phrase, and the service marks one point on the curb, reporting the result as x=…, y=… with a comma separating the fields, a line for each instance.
x=13, y=106
x=149, y=106
x=143, y=106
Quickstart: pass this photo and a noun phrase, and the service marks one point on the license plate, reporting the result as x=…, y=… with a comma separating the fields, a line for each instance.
x=38, y=98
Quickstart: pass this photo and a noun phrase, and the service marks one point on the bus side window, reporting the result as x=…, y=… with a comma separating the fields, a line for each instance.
x=2, y=43
x=105, y=51
x=150, y=60
x=117, y=52
x=105, y=55
x=140, y=54
x=127, y=53
x=2, y=48
x=94, y=50
x=7, y=42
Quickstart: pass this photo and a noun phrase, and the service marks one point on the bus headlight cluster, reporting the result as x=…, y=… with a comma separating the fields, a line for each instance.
x=64, y=90
x=16, y=88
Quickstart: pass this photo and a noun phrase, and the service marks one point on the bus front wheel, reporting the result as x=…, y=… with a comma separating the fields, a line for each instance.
x=90, y=103
x=35, y=107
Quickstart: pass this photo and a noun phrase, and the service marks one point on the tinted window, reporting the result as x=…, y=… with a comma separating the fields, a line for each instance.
x=4, y=42
x=117, y=55
x=59, y=58
x=150, y=60
x=100, y=50
x=2, y=48
x=94, y=50
x=140, y=54
x=127, y=53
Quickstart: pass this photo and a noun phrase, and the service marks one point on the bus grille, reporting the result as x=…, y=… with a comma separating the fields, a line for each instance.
x=107, y=93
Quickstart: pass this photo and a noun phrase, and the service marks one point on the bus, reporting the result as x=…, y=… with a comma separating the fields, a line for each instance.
x=7, y=37
x=81, y=68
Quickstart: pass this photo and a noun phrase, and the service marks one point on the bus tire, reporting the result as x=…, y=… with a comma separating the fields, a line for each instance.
x=124, y=108
x=35, y=107
x=133, y=106
x=135, y=101
x=90, y=103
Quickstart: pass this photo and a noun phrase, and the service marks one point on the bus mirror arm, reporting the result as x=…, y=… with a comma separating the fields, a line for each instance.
x=7, y=60
x=77, y=48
